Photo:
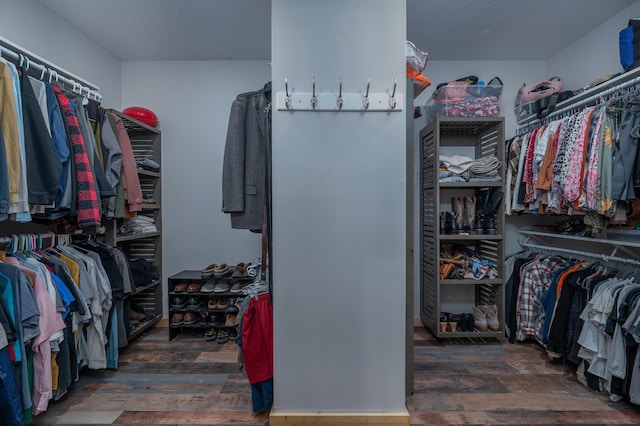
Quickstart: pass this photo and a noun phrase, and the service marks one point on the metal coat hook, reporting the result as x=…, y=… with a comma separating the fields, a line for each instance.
x=340, y=100
x=365, y=100
x=287, y=98
x=314, y=98
x=392, y=99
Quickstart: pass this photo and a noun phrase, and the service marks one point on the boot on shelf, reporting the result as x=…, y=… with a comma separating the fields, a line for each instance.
x=469, y=213
x=490, y=215
x=481, y=207
x=492, y=317
x=457, y=210
x=480, y=318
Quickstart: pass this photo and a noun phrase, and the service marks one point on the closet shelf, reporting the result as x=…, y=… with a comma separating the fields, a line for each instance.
x=445, y=185
x=449, y=334
x=155, y=206
x=470, y=237
x=143, y=288
x=148, y=173
x=492, y=281
x=136, y=236
x=615, y=238
x=136, y=331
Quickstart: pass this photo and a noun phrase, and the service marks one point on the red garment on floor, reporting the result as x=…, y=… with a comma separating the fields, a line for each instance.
x=257, y=339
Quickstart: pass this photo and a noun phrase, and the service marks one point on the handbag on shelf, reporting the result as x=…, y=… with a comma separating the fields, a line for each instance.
x=532, y=92
x=547, y=105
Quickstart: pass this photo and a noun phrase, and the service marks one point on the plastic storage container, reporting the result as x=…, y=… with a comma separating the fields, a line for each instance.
x=525, y=111
x=465, y=101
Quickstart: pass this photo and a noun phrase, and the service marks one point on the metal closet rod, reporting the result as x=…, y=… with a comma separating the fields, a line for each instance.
x=589, y=97
x=581, y=254
x=40, y=68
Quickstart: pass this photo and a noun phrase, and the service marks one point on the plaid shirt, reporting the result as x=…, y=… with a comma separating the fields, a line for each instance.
x=535, y=278
x=88, y=207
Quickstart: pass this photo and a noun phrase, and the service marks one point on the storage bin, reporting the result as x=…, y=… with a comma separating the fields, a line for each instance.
x=525, y=111
x=465, y=101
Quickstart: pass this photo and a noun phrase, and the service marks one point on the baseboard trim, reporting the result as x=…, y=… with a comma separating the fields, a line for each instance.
x=338, y=419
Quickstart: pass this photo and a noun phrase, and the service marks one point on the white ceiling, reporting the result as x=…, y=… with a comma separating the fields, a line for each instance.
x=241, y=29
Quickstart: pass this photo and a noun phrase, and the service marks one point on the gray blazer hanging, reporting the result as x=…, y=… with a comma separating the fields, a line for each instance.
x=243, y=172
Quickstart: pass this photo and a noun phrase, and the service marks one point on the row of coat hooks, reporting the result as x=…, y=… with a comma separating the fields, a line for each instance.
x=337, y=102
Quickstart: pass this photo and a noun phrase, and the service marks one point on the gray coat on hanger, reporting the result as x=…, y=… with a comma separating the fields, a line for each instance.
x=243, y=172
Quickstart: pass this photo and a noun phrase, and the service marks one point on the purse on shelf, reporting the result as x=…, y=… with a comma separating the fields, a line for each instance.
x=532, y=92
x=493, y=88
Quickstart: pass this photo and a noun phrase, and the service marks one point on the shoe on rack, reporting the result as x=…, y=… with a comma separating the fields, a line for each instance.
x=223, y=303
x=211, y=334
x=179, y=303
x=236, y=287
x=481, y=206
x=480, y=318
x=223, y=335
x=207, y=271
x=195, y=304
x=230, y=320
x=469, y=214
x=222, y=271
x=177, y=319
x=457, y=210
x=194, y=287
x=208, y=286
x=491, y=212
x=191, y=318
x=493, y=323
x=238, y=270
x=468, y=318
x=136, y=316
x=212, y=303
x=217, y=320
x=221, y=288
x=181, y=287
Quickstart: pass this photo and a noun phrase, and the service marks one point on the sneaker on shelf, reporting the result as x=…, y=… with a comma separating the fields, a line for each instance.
x=236, y=287
x=208, y=286
x=223, y=335
x=213, y=303
x=195, y=304
x=191, y=318
x=207, y=271
x=221, y=287
x=222, y=271
x=223, y=303
x=211, y=334
x=177, y=319
x=238, y=270
x=217, y=320
x=179, y=303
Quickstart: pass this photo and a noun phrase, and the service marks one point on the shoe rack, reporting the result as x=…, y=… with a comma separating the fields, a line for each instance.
x=474, y=137
x=204, y=317
x=146, y=144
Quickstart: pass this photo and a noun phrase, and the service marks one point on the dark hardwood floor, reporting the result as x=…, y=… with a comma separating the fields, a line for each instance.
x=190, y=381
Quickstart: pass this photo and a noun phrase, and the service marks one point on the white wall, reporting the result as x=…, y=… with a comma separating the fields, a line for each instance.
x=594, y=55
x=34, y=27
x=339, y=212
x=192, y=100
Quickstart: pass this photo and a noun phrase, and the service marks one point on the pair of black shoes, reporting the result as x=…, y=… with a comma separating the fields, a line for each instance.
x=465, y=322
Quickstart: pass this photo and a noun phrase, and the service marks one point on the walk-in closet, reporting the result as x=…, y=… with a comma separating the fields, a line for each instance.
x=347, y=212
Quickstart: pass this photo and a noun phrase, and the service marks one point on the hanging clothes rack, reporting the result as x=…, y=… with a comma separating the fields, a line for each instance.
x=579, y=254
x=40, y=68
x=627, y=82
